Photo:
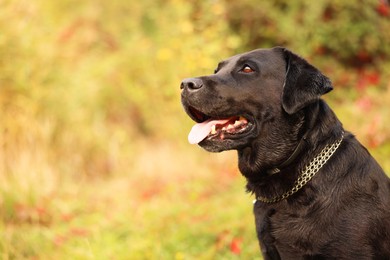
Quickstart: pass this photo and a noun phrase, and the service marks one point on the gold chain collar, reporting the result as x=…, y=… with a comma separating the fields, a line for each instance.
x=308, y=173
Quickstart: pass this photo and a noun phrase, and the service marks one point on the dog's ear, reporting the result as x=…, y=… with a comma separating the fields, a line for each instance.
x=304, y=84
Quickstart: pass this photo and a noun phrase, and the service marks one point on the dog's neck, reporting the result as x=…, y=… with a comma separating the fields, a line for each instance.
x=307, y=173
x=263, y=184
x=302, y=145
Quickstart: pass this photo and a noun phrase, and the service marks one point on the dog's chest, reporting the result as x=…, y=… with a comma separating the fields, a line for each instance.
x=288, y=232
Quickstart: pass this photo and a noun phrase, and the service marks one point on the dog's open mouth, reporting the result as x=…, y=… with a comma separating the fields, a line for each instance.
x=216, y=128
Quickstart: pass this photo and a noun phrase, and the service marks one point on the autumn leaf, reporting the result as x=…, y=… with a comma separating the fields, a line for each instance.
x=235, y=246
x=383, y=8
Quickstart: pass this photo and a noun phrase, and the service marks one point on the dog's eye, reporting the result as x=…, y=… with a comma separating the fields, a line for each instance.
x=247, y=69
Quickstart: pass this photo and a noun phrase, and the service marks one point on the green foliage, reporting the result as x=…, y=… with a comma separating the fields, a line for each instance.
x=353, y=32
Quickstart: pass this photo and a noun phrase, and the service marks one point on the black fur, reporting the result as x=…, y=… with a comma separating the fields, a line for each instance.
x=304, y=84
x=344, y=211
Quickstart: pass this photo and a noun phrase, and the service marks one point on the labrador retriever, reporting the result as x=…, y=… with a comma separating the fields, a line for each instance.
x=319, y=193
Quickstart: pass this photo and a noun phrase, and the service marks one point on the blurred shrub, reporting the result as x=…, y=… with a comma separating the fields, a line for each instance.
x=81, y=82
x=353, y=32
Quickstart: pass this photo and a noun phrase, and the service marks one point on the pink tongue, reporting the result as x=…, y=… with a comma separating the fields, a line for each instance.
x=201, y=130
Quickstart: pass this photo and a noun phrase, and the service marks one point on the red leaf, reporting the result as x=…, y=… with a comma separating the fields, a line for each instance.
x=367, y=79
x=235, y=246
x=383, y=8
x=373, y=78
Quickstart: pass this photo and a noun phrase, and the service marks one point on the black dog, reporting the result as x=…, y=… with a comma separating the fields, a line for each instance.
x=319, y=193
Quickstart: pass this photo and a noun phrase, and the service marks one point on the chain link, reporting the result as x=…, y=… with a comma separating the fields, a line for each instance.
x=307, y=174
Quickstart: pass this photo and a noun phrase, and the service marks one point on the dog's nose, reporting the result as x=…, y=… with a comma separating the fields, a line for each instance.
x=191, y=84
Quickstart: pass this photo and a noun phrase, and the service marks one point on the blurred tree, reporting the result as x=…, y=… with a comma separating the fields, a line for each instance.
x=353, y=32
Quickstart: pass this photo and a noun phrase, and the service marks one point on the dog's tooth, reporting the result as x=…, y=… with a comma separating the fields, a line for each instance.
x=237, y=123
x=213, y=131
x=224, y=128
x=243, y=119
x=229, y=127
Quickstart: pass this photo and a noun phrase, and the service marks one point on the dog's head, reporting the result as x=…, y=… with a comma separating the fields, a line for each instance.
x=252, y=98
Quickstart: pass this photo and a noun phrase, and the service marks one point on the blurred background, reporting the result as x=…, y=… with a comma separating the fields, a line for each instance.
x=94, y=159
